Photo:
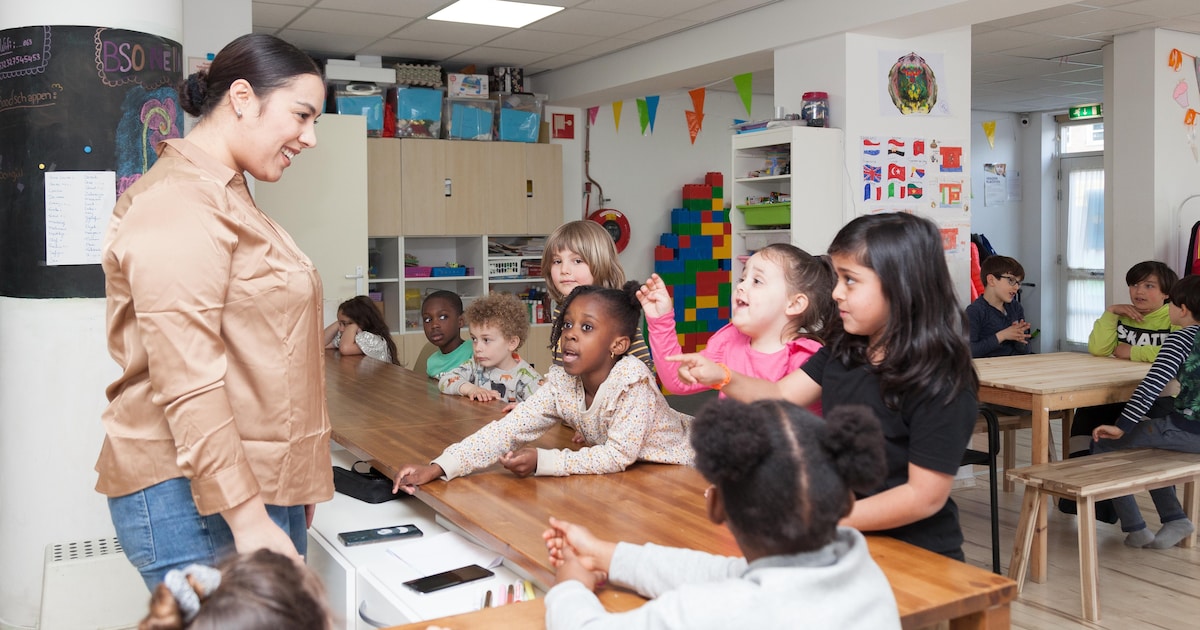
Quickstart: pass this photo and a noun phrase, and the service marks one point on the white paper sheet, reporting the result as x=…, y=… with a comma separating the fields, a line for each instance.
x=78, y=207
x=443, y=552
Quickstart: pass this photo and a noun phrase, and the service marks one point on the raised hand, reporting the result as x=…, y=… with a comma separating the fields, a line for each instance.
x=655, y=299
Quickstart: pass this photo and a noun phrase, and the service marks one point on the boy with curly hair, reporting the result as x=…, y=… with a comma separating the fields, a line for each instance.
x=499, y=324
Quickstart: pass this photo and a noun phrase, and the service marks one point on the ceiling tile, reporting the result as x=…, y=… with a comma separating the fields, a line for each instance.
x=1058, y=48
x=485, y=56
x=1007, y=39
x=526, y=39
x=349, y=22
x=295, y=3
x=604, y=46
x=325, y=43
x=274, y=15
x=1088, y=22
x=411, y=49
x=1037, y=16
x=451, y=32
x=1162, y=8
x=658, y=29
x=405, y=8
x=721, y=9
x=556, y=62
x=657, y=8
x=598, y=23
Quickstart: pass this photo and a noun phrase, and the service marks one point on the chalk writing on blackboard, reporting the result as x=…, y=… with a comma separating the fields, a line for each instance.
x=24, y=51
x=78, y=206
x=127, y=57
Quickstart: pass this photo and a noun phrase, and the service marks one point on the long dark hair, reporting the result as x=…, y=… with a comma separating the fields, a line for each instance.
x=924, y=343
x=362, y=311
x=265, y=61
x=786, y=475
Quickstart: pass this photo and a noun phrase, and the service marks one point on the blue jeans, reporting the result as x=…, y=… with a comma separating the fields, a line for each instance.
x=1151, y=433
x=160, y=529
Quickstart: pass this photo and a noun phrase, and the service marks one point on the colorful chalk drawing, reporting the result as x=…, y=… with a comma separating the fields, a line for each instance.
x=147, y=118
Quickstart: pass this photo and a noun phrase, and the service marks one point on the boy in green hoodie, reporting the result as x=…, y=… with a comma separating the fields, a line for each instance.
x=1134, y=332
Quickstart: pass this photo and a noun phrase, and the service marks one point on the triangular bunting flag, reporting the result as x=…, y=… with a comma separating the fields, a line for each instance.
x=617, y=105
x=989, y=130
x=652, y=110
x=643, y=114
x=592, y=111
x=694, y=122
x=744, y=84
x=697, y=100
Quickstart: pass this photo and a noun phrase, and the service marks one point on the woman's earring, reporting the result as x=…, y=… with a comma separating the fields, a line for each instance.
x=239, y=112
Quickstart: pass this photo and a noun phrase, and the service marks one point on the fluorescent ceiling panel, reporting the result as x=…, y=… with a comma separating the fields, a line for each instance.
x=495, y=13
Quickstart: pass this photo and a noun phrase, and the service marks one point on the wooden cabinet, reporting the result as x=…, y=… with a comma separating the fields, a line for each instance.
x=419, y=187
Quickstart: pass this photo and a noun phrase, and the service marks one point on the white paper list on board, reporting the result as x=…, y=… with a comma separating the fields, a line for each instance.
x=78, y=206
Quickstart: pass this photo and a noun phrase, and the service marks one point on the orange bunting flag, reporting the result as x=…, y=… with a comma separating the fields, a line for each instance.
x=694, y=121
x=697, y=100
x=617, y=105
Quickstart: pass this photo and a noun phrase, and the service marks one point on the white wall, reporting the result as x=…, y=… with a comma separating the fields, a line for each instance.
x=55, y=365
x=643, y=176
x=1149, y=165
x=572, y=156
x=1000, y=222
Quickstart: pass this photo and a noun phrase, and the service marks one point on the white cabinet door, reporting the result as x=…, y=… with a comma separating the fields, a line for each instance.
x=322, y=202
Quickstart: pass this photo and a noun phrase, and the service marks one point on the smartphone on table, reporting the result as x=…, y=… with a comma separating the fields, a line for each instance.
x=446, y=579
x=380, y=534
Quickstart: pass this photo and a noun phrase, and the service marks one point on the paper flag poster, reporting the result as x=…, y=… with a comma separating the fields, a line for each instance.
x=643, y=114
x=592, y=111
x=989, y=130
x=617, y=106
x=694, y=122
x=652, y=110
x=744, y=84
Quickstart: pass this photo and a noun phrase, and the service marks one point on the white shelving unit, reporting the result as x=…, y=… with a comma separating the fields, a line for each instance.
x=813, y=180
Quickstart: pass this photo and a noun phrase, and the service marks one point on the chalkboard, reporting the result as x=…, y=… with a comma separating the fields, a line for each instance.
x=75, y=98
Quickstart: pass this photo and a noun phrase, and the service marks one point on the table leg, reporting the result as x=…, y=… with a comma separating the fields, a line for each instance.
x=1068, y=416
x=1088, y=563
x=1019, y=563
x=1191, y=507
x=1040, y=455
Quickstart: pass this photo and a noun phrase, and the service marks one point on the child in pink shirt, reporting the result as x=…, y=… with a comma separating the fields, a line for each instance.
x=781, y=307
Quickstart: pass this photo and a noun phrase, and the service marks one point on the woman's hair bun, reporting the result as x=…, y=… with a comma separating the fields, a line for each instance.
x=195, y=90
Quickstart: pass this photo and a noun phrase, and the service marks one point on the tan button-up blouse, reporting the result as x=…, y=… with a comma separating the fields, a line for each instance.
x=214, y=316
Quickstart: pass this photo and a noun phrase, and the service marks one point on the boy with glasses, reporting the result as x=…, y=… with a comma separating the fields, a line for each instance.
x=996, y=318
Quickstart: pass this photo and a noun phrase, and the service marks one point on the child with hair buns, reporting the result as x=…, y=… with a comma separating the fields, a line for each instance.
x=608, y=396
x=782, y=478
x=262, y=590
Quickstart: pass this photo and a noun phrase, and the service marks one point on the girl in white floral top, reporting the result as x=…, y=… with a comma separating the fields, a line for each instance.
x=609, y=398
x=360, y=329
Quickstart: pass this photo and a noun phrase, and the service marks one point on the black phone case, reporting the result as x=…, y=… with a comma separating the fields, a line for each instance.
x=380, y=534
x=446, y=579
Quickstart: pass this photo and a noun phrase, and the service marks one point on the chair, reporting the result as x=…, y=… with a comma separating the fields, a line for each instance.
x=979, y=458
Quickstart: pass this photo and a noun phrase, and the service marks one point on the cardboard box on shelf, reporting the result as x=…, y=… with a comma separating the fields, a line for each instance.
x=466, y=85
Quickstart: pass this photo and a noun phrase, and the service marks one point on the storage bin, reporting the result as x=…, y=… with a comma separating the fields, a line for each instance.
x=417, y=272
x=768, y=214
x=501, y=269
x=443, y=272
x=468, y=119
x=755, y=242
x=519, y=117
x=418, y=112
x=369, y=105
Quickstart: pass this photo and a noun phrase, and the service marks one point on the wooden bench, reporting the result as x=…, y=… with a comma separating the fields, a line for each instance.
x=1008, y=425
x=1091, y=479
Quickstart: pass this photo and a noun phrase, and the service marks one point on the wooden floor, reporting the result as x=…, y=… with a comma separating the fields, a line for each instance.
x=1139, y=588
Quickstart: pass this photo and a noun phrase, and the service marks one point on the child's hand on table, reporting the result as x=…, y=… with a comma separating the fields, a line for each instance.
x=574, y=550
x=409, y=477
x=1107, y=432
x=522, y=462
x=475, y=392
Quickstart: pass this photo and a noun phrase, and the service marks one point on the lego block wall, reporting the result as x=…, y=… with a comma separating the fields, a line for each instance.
x=695, y=261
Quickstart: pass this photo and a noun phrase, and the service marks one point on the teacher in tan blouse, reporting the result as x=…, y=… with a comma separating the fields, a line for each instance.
x=217, y=435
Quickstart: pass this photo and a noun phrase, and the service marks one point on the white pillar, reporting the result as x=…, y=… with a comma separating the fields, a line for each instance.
x=53, y=371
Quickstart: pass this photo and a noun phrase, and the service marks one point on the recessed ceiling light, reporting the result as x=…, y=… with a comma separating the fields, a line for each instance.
x=495, y=13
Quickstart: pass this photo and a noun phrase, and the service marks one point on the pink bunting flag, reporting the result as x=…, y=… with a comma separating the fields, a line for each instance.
x=592, y=111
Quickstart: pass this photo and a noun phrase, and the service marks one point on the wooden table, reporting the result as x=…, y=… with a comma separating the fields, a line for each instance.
x=647, y=503
x=1043, y=383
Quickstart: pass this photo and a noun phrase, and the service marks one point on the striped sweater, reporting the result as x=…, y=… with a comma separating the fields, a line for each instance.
x=1176, y=359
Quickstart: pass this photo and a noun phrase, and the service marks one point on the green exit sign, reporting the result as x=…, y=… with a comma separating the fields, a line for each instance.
x=1083, y=112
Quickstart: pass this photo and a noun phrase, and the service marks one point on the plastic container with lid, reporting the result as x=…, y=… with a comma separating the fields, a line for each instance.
x=814, y=109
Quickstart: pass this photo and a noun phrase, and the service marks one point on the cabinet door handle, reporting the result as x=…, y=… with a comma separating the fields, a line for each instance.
x=447, y=186
x=357, y=277
x=529, y=188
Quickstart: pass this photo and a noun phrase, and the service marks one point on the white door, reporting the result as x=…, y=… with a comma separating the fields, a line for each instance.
x=1081, y=254
x=321, y=200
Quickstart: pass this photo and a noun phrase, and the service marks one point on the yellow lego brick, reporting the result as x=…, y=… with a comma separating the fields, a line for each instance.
x=718, y=204
x=682, y=338
x=725, y=251
x=712, y=229
x=689, y=314
x=706, y=301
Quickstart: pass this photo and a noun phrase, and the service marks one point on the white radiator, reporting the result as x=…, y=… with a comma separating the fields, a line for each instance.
x=90, y=584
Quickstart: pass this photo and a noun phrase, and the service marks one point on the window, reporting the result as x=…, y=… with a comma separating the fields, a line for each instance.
x=1083, y=137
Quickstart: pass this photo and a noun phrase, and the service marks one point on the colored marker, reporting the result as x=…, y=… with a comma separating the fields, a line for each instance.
x=509, y=599
x=487, y=599
x=530, y=594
